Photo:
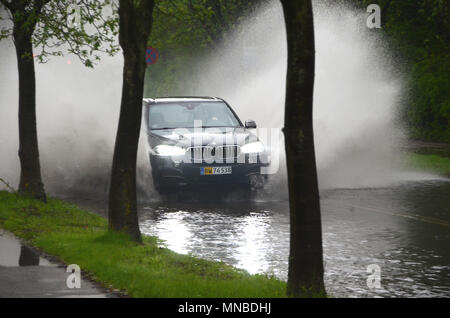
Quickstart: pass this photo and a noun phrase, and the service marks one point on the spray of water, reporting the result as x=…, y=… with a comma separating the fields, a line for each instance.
x=357, y=91
x=356, y=97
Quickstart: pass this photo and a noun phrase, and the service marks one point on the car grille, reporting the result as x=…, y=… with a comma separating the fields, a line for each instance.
x=219, y=154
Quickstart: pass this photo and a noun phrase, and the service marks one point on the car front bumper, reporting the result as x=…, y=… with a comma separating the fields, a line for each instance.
x=172, y=174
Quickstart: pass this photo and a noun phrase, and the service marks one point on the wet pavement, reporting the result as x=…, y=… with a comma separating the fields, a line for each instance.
x=403, y=228
x=24, y=273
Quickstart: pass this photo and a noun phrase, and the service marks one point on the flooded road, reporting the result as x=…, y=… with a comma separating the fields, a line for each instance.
x=404, y=229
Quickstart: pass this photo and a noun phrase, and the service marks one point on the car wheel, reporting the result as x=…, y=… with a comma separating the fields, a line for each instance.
x=160, y=188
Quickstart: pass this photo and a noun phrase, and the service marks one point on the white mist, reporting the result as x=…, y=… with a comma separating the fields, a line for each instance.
x=357, y=91
x=356, y=98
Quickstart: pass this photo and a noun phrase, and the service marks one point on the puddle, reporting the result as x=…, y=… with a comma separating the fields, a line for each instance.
x=13, y=253
x=404, y=229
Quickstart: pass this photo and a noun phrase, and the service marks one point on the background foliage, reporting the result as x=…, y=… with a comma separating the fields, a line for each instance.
x=185, y=30
x=419, y=32
x=57, y=29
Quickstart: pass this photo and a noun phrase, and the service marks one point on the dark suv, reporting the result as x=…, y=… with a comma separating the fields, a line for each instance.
x=200, y=141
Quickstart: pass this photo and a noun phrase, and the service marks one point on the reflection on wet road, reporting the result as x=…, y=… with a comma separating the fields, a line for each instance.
x=13, y=253
x=404, y=229
x=23, y=273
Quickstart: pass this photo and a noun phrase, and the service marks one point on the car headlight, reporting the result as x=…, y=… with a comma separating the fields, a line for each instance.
x=254, y=147
x=167, y=150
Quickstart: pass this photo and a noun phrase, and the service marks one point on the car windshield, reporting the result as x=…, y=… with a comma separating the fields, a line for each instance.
x=183, y=115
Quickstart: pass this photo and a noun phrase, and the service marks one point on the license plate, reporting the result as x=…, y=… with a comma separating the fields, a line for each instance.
x=207, y=171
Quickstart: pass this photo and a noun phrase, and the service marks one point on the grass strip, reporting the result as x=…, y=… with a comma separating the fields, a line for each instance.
x=430, y=162
x=148, y=270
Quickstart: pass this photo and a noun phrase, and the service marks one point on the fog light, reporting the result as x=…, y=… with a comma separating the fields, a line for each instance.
x=256, y=181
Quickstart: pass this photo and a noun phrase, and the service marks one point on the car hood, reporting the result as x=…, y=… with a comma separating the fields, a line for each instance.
x=201, y=136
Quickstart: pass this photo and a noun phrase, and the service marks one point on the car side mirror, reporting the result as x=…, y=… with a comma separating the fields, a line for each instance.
x=250, y=124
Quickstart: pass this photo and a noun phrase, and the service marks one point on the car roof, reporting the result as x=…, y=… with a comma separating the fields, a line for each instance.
x=178, y=99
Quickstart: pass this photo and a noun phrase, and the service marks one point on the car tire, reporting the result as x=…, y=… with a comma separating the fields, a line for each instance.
x=161, y=189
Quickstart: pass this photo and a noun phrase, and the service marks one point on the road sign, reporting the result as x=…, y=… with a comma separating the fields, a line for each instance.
x=151, y=55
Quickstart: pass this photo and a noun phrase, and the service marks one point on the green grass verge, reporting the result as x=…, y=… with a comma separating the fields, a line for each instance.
x=430, y=162
x=80, y=237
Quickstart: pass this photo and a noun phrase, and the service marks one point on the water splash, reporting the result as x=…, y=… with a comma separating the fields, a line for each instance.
x=357, y=93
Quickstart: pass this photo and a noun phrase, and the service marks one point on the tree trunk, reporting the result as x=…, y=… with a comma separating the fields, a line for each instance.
x=305, y=276
x=135, y=26
x=30, y=174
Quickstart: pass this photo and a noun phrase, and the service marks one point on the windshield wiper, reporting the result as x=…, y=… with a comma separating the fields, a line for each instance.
x=162, y=128
x=219, y=126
